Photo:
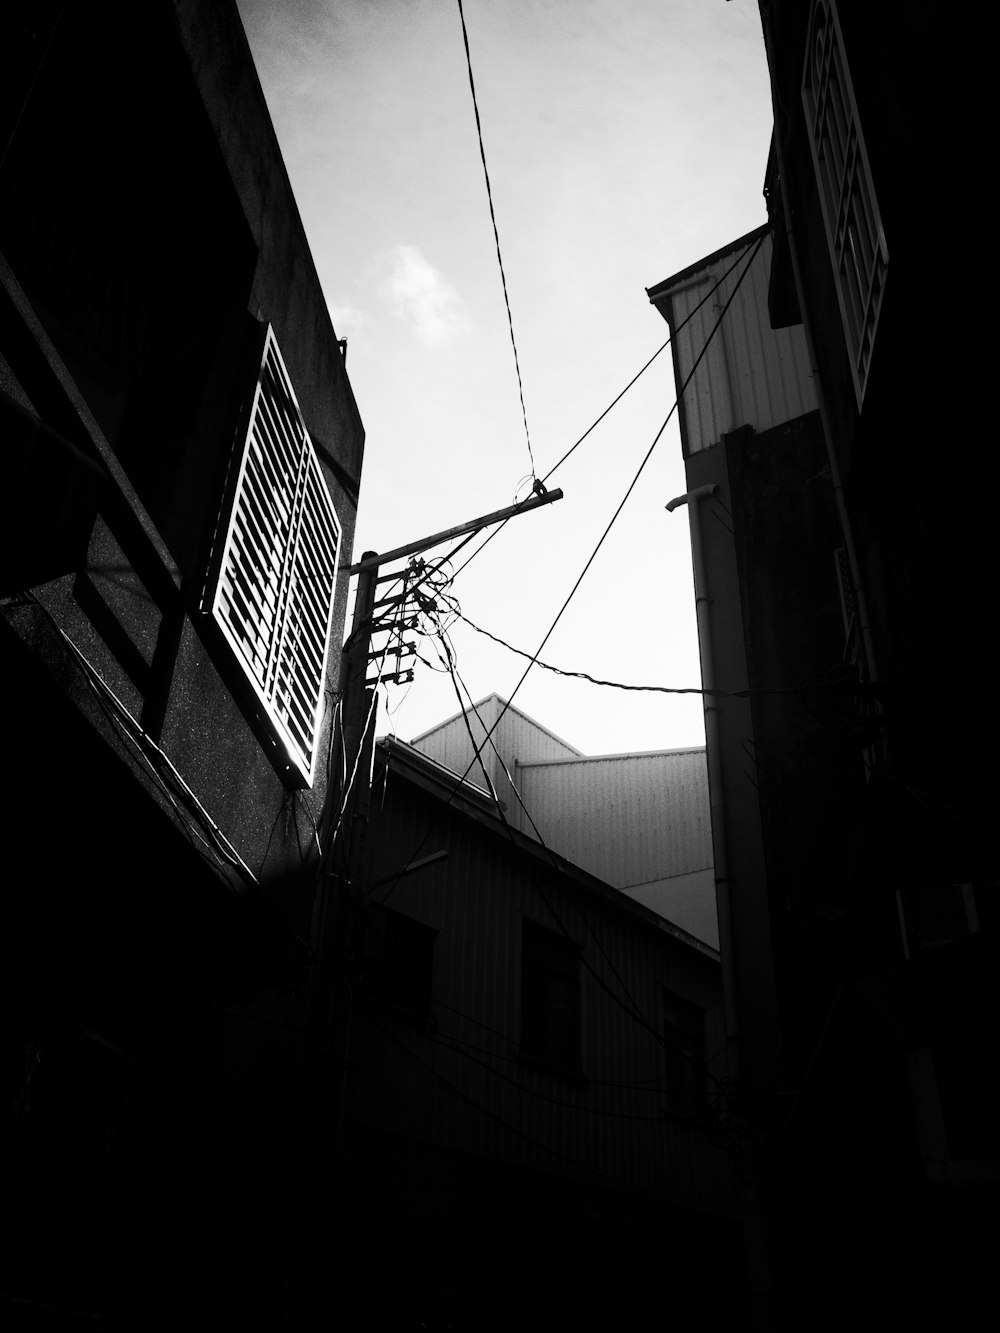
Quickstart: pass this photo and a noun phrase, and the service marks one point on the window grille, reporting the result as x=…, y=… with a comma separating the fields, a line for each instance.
x=272, y=589
x=850, y=209
x=938, y=914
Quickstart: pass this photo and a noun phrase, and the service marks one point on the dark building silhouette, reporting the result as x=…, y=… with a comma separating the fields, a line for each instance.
x=844, y=567
x=535, y=1127
x=181, y=454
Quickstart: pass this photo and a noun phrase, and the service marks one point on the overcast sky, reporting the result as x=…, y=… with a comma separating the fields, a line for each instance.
x=625, y=139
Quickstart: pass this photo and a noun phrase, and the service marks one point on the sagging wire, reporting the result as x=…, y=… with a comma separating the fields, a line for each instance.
x=477, y=749
x=349, y=783
x=393, y=713
x=840, y=673
x=452, y=668
x=464, y=541
x=615, y=401
x=631, y=1009
x=449, y=1043
x=632, y=485
x=489, y=1114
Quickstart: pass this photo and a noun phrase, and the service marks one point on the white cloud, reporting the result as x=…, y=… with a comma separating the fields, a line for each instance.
x=417, y=292
x=348, y=318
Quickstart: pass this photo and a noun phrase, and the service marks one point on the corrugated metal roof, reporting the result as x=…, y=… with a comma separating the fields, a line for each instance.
x=751, y=374
x=491, y=705
x=406, y=761
x=517, y=737
x=640, y=822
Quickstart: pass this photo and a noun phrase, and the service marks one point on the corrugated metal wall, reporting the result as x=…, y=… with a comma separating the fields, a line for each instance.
x=628, y=818
x=635, y=820
x=640, y=822
x=751, y=374
x=461, y=1085
x=686, y=900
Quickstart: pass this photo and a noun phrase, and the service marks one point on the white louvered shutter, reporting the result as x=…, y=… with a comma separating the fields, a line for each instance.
x=273, y=593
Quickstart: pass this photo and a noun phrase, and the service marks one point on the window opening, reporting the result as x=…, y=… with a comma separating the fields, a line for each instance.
x=851, y=214
x=399, y=959
x=271, y=588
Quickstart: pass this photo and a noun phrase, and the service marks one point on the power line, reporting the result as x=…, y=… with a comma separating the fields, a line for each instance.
x=632, y=485
x=542, y=1096
x=615, y=401
x=458, y=1092
x=477, y=750
x=839, y=673
x=593, y=425
x=496, y=234
x=632, y=1009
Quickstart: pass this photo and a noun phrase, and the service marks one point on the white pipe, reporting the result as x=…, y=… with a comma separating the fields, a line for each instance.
x=699, y=493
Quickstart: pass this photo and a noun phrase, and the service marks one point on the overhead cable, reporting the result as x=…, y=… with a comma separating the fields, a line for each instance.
x=632, y=485
x=631, y=1008
x=490, y=1114
x=836, y=674
x=615, y=401
x=477, y=750
x=496, y=234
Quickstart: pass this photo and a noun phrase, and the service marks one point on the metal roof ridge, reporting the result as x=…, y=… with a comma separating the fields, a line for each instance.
x=599, y=758
x=409, y=751
x=661, y=289
x=507, y=706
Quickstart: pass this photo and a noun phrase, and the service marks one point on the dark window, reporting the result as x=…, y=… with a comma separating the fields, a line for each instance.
x=550, y=997
x=684, y=1046
x=935, y=915
x=399, y=959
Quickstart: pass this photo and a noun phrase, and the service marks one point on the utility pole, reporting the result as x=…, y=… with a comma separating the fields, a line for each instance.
x=358, y=719
x=371, y=559
x=339, y=909
x=359, y=701
x=348, y=801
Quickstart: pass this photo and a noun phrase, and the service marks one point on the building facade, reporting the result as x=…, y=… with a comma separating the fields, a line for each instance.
x=853, y=800
x=535, y=1122
x=638, y=821
x=181, y=456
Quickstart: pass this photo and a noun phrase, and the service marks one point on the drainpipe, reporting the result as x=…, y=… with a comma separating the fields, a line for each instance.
x=713, y=750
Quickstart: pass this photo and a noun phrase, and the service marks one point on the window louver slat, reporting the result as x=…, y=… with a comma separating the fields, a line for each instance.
x=273, y=591
x=851, y=215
